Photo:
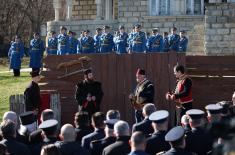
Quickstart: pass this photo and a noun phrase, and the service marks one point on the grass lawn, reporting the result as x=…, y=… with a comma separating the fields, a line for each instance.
x=10, y=85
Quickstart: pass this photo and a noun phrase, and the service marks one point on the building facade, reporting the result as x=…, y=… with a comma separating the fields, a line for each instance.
x=190, y=15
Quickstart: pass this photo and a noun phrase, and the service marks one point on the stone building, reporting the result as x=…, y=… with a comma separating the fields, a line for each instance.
x=210, y=24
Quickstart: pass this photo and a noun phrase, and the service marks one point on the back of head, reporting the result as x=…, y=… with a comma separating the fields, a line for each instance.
x=180, y=68
x=148, y=109
x=8, y=129
x=98, y=119
x=121, y=128
x=47, y=114
x=10, y=115
x=137, y=139
x=68, y=133
x=113, y=114
x=184, y=120
x=81, y=119
x=50, y=149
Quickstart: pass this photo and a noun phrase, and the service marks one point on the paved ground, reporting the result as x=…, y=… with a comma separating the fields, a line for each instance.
x=22, y=70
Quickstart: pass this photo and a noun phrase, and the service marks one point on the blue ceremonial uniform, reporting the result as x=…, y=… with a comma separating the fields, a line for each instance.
x=130, y=36
x=87, y=45
x=138, y=153
x=121, y=43
x=15, y=54
x=106, y=43
x=63, y=42
x=52, y=46
x=36, y=50
x=138, y=42
x=165, y=44
x=183, y=44
x=155, y=43
x=72, y=44
x=97, y=43
x=174, y=42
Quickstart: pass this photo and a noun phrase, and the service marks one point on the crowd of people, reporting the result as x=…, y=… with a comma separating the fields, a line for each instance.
x=203, y=132
x=210, y=132
x=102, y=42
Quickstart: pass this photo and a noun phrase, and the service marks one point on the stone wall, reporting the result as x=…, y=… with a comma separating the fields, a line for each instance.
x=136, y=11
x=84, y=9
x=220, y=29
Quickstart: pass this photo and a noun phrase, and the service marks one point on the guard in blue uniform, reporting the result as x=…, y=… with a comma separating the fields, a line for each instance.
x=79, y=46
x=106, y=41
x=87, y=43
x=120, y=41
x=176, y=138
x=52, y=44
x=130, y=36
x=97, y=36
x=98, y=146
x=183, y=42
x=194, y=142
x=155, y=42
x=174, y=40
x=15, y=54
x=165, y=42
x=156, y=143
x=36, y=50
x=138, y=41
x=63, y=42
x=73, y=43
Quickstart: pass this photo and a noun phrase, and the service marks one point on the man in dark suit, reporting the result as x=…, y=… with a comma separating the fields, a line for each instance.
x=176, y=138
x=144, y=93
x=198, y=140
x=156, y=143
x=98, y=146
x=8, y=130
x=89, y=94
x=138, y=144
x=32, y=93
x=98, y=123
x=121, y=146
x=82, y=125
x=145, y=126
x=68, y=145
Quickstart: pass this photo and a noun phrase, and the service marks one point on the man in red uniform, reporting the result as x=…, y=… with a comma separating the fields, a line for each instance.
x=183, y=92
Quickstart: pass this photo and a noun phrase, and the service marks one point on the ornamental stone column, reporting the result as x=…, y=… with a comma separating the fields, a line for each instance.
x=99, y=9
x=57, y=6
x=69, y=9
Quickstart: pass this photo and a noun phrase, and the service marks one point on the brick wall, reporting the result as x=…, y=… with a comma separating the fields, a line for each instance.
x=84, y=9
x=220, y=29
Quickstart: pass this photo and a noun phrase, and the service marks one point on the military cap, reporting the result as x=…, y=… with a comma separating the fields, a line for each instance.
x=140, y=71
x=34, y=73
x=87, y=31
x=155, y=30
x=159, y=116
x=225, y=106
x=36, y=33
x=195, y=113
x=175, y=134
x=98, y=29
x=183, y=31
x=63, y=28
x=48, y=125
x=110, y=123
x=214, y=108
x=70, y=32
x=17, y=37
x=174, y=28
x=121, y=27
x=106, y=27
x=137, y=26
x=86, y=72
x=27, y=118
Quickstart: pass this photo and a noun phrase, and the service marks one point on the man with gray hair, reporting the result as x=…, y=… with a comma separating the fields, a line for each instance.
x=138, y=144
x=113, y=114
x=121, y=146
x=145, y=126
x=68, y=145
x=8, y=130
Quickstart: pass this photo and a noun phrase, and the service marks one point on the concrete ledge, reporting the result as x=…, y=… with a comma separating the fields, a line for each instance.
x=82, y=22
x=173, y=17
